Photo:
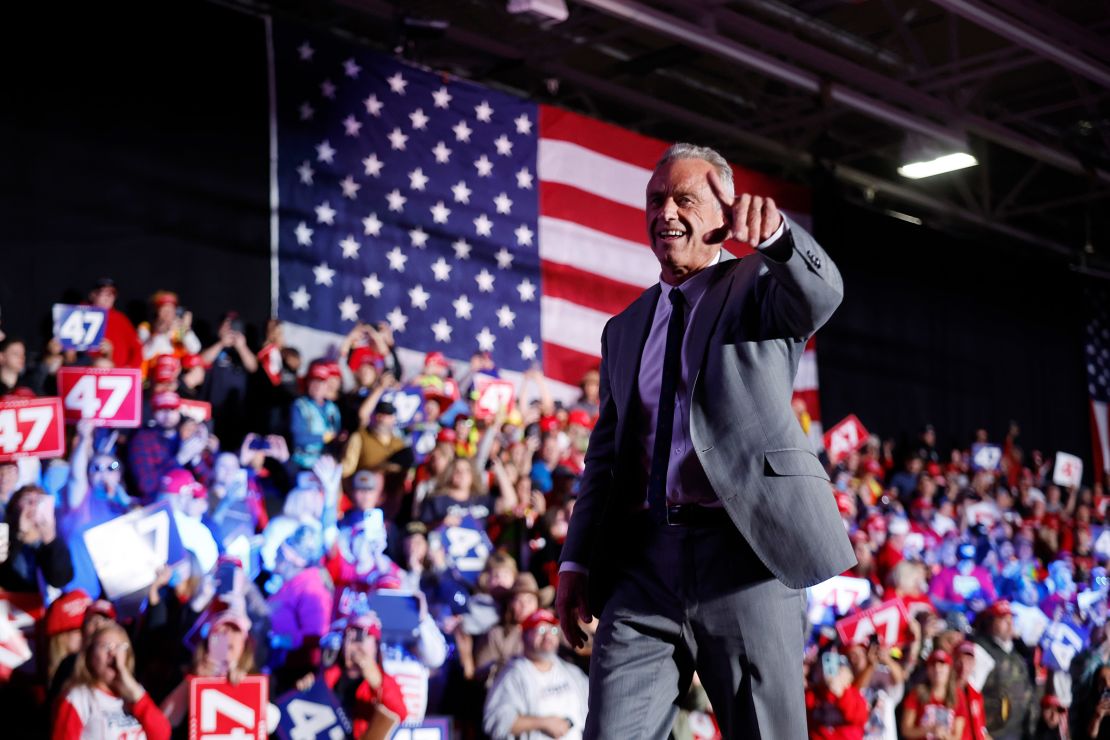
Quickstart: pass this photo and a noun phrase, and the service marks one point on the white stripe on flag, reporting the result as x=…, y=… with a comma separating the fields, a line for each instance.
x=585, y=169
x=569, y=243
x=1102, y=423
x=806, y=379
x=571, y=325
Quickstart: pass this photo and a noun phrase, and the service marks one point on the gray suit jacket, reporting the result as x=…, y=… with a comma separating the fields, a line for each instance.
x=745, y=342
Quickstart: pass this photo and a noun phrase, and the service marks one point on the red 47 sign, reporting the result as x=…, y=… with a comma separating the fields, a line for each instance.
x=845, y=438
x=494, y=396
x=220, y=711
x=887, y=620
x=31, y=427
x=109, y=397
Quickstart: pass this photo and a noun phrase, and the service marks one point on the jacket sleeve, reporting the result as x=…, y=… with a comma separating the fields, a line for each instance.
x=801, y=287
x=67, y=723
x=56, y=563
x=154, y=723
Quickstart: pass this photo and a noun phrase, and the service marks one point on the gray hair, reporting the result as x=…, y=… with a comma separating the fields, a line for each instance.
x=683, y=150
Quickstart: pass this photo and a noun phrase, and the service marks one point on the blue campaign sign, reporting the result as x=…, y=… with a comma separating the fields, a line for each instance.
x=468, y=547
x=313, y=714
x=1062, y=641
x=985, y=457
x=422, y=439
x=79, y=327
x=432, y=728
x=408, y=403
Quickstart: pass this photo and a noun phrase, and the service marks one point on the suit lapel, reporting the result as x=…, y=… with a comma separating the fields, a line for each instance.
x=709, y=311
x=631, y=348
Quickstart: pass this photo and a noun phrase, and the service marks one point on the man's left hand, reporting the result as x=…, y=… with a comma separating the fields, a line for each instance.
x=749, y=218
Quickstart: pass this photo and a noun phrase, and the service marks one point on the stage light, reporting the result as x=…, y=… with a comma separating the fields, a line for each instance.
x=545, y=11
x=944, y=163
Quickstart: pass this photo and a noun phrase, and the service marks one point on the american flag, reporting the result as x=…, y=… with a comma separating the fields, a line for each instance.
x=1097, y=348
x=468, y=218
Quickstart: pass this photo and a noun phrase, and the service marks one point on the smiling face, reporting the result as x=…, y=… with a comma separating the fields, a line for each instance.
x=684, y=218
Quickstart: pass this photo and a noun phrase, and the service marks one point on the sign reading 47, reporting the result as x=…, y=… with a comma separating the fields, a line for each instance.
x=31, y=427
x=109, y=397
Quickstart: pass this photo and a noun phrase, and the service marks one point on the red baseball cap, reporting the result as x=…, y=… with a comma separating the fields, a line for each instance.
x=180, y=480
x=165, y=400
x=164, y=296
x=538, y=617
x=581, y=418
x=435, y=359
x=549, y=424
x=103, y=607
x=319, y=371
x=188, y=362
x=367, y=621
x=1000, y=608
x=363, y=356
x=67, y=612
x=166, y=368
x=940, y=656
x=448, y=436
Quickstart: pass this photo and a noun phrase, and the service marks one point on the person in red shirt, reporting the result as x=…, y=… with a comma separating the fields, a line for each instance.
x=891, y=553
x=975, y=717
x=121, y=342
x=934, y=710
x=835, y=708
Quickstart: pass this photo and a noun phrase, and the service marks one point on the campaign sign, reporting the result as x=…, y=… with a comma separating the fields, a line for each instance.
x=888, y=620
x=985, y=456
x=468, y=547
x=31, y=427
x=1068, y=471
x=494, y=396
x=845, y=438
x=432, y=728
x=128, y=550
x=269, y=359
x=1101, y=538
x=838, y=595
x=219, y=710
x=18, y=615
x=408, y=403
x=313, y=714
x=1030, y=623
x=1061, y=642
x=108, y=397
x=198, y=411
x=79, y=327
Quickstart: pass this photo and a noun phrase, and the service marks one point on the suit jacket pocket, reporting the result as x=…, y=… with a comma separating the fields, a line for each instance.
x=793, y=461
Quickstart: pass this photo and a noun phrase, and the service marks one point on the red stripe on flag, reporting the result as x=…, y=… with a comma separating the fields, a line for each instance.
x=587, y=289
x=603, y=138
x=567, y=365
x=592, y=211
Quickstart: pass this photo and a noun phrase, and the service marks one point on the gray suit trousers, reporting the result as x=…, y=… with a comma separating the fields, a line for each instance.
x=697, y=598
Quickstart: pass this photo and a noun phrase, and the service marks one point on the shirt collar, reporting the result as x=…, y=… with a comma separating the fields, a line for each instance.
x=693, y=288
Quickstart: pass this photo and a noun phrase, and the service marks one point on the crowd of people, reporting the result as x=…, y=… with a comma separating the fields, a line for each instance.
x=394, y=532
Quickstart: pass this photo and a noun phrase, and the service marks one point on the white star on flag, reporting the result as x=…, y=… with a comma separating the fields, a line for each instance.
x=307, y=111
x=397, y=139
x=304, y=234
x=524, y=179
x=483, y=225
x=325, y=214
x=397, y=259
x=306, y=172
x=461, y=192
x=371, y=226
x=373, y=165
x=523, y=235
x=305, y=52
x=527, y=290
x=485, y=339
x=350, y=187
x=419, y=297
x=484, y=112
x=371, y=286
x=484, y=166
x=527, y=348
x=324, y=152
x=348, y=309
x=396, y=200
x=503, y=203
x=442, y=330
x=397, y=83
x=418, y=237
x=505, y=317
x=441, y=97
x=441, y=270
x=350, y=247
x=397, y=320
x=352, y=125
x=442, y=153
x=440, y=212
x=417, y=179
x=462, y=249
x=327, y=89
x=351, y=68
x=463, y=307
x=462, y=131
x=419, y=119
x=323, y=273
x=523, y=124
x=504, y=258
x=373, y=105
x=504, y=146
x=484, y=280
x=300, y=298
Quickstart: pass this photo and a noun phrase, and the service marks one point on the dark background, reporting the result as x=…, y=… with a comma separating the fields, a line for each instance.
x=134, y=143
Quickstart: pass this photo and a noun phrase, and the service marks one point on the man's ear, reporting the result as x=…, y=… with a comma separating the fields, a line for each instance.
x=718, y=235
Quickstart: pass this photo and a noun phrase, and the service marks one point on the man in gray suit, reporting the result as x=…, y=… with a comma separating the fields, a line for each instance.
x=702, y=512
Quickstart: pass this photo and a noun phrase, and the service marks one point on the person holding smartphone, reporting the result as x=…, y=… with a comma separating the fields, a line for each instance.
x=34, y=547
x=103, y=701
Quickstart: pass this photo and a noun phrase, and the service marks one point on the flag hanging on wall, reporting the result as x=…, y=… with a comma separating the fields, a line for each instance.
x=467, y=218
